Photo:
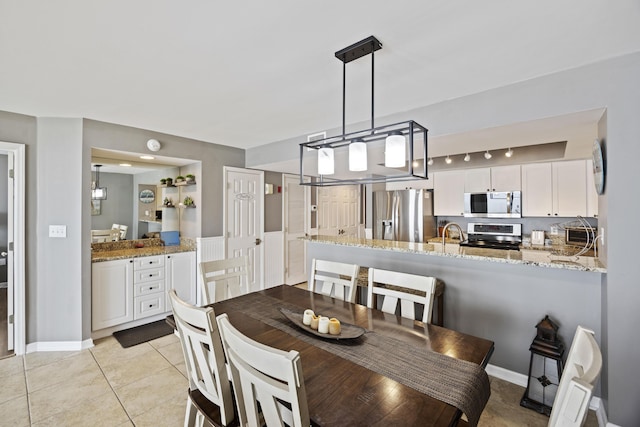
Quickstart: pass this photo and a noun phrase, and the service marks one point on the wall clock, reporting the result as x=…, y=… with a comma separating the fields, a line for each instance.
x=147, y=196
x=599, y=171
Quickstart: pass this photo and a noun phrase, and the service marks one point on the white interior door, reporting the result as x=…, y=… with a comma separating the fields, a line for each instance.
x=296, y=226
x=244, y=219
x=338, y=210
x=8, y=256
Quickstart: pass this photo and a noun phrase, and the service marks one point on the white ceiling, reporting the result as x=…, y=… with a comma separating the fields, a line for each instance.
x=247, y=73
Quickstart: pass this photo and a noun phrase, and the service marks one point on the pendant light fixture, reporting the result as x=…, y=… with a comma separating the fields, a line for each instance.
x=400, y=140
x=97, y=192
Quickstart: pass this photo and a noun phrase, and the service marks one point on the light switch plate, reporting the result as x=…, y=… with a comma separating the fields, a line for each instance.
x=57, y=231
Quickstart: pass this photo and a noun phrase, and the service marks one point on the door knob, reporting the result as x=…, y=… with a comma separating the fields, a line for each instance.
x=258, y=241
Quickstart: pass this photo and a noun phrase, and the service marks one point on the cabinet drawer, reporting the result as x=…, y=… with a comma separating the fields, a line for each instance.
x=150, y=275
x=146, y=262
x=148, y=305
x=146, y=288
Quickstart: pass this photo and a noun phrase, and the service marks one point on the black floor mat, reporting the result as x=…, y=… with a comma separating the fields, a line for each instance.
x=144, y=333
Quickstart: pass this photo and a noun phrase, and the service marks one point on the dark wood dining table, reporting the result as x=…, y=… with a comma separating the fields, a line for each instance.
x=341, y=392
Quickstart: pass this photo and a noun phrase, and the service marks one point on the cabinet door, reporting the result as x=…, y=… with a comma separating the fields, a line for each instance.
x=448, y=193
x=592, y=195
x=181, y=276
x=426, y=184
x=506, y=178
x=569, y=188
x=477, y=180
x=111, y=293
x=536, y=189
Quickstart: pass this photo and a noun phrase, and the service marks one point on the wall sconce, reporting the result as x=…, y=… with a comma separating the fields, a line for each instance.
x=509, y=152
x=467, y=157
x=487, y=155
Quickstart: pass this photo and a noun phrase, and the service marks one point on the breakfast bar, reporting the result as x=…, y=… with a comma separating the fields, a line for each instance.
x=493, y=294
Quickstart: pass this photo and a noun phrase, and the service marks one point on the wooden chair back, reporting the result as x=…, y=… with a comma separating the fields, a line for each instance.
x=579, y=377
x=264, y=375
x=204, y=358
x=401, y=290
x=335, y=279
x=225, y=278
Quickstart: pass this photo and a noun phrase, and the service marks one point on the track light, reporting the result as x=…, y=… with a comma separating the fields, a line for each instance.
x=430, y=161
x=487, y=155
x=509, y=152
x=448, y=160
x=467, y=157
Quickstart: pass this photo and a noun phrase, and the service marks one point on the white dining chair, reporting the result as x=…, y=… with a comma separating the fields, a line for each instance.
x=122, y=230
x=335, y=279
x=579, y=377
x=266, y=376
x=209, y=397
x=225, y=278
x=403, y=290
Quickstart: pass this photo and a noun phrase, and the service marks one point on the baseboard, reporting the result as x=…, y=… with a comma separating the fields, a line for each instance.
x=59, y=346
x=519, y=379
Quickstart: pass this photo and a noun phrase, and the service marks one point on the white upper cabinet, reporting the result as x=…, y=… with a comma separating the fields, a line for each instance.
x=448, y=193
x=417, y=184
x=557, y=189
x=499, y=178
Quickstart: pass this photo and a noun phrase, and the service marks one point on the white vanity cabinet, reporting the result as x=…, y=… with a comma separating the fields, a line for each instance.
x=180, y=271
x=111, y=293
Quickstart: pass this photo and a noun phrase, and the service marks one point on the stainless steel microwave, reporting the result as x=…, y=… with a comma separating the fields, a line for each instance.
x=493, y=204
x=579, y=235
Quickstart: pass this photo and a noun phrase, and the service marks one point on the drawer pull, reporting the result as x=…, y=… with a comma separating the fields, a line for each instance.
x=150, y=305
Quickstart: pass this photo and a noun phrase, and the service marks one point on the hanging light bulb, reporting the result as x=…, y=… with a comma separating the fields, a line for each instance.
x=509, y=153
x=448, y=160
x=97, y=192
x=430, y=161
x=394, y=150
x=325, y=161
x=357, y=155
x=467, y=157
x=487, y=155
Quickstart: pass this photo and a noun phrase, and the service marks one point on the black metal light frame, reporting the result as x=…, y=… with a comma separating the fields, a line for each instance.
x=410, y=129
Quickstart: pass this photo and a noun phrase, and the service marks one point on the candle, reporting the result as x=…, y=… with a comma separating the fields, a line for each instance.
x=306, y=317
x=323, y=325
x=314, y=321
x=334, y=326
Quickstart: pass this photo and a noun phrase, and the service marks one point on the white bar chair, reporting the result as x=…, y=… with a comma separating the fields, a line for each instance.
x=325, y=278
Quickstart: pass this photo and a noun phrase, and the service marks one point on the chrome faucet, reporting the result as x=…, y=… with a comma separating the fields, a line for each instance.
x=444, y=233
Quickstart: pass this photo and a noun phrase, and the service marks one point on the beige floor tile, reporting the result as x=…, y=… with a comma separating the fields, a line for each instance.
x=104, y=410
x=120, y=373
x=182, y=367
x=163, y=341
x=172, y=352
x=15, y=412
x=109, y=351
x=12, y=387
x=61, y=370
x=11, y=366
x=169, y=414
x=41, y=358
x=149, y=392
x=66, y=395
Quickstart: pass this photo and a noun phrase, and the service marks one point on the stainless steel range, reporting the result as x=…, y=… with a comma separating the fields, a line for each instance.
x=494, y=236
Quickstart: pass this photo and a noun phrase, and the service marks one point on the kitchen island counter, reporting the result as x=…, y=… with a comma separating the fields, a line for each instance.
x=125, y=249
x=540, y=257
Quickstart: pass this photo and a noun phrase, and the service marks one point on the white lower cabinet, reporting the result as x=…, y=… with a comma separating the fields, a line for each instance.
x=111, y=293
x=132, y=289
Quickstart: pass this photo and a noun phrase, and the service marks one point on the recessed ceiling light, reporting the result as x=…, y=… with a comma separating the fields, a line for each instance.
x=467, y=157
x=126, y=165
x=147, y=157
x=487, y=155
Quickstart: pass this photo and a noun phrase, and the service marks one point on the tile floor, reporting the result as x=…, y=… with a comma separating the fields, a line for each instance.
x=146, y=385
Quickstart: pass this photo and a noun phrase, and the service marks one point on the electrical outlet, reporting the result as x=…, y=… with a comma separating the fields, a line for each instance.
x=57, y=231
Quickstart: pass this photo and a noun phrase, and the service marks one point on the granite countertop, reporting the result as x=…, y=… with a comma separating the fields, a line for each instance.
x=549, y=257
x=126, y=249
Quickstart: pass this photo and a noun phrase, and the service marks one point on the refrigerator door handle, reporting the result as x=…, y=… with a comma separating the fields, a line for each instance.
x=396, y=217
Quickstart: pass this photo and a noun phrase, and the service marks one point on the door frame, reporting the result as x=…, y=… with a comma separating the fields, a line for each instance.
x=285, y=223
x=18, y=209
x=225, y=217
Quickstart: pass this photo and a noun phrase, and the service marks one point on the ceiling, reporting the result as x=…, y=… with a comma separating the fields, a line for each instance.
x=253, y=72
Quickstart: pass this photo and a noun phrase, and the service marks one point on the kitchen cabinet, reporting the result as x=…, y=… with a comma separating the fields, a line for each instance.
x=557, y=189
x=448, y=193
x=417, y=184
x=181, y=275
x=111, y=293
x=499, y=178
x=149, y=286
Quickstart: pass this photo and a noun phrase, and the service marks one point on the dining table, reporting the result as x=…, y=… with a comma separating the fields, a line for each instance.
x=398, y=371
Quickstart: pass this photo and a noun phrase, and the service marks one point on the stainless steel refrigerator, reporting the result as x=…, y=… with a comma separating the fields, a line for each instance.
x=403, y=215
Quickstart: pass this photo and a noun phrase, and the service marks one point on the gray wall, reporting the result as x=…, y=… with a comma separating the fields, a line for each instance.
x=118, y=207
x=273, y=203
x=613, y=84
